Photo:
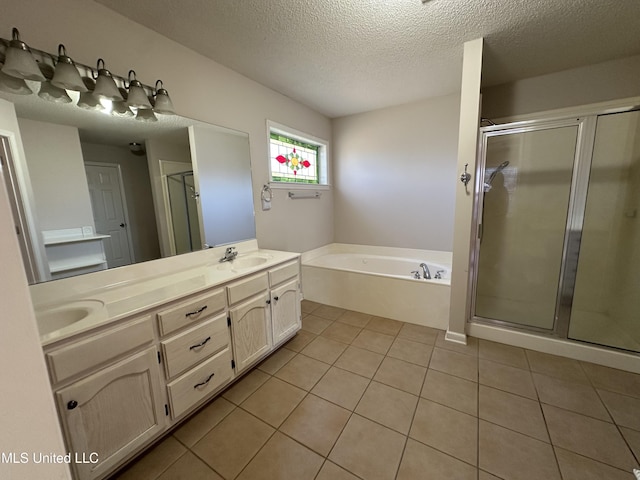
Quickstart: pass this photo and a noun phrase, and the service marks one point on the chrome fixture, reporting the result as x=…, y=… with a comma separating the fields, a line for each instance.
x=416, y=274
x=19, y=62
x=465, y=177
x=99, y=89
x=426, y=274
x=502, y=166
x=438, y=274
x=229, y=254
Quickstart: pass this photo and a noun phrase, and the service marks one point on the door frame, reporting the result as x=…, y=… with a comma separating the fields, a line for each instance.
x=123, y=198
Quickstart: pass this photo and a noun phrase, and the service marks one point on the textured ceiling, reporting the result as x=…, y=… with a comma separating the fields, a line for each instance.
x=345, y=56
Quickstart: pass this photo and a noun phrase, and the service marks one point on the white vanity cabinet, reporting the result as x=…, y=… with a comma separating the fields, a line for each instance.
x=110, y=402
x=197, y=359
x=250, y=315
x=285, y=301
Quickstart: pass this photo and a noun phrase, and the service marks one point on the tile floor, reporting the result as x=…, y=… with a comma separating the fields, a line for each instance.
x=355, y=396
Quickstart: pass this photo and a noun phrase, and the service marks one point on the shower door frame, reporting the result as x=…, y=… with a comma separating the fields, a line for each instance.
x=575, y=214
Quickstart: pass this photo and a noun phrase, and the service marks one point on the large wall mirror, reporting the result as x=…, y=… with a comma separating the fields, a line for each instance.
x=95, y=191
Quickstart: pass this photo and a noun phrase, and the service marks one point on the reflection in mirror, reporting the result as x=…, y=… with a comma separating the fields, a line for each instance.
x=94, y=191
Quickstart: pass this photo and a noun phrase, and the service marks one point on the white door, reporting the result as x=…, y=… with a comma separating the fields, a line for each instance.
x=107, y=201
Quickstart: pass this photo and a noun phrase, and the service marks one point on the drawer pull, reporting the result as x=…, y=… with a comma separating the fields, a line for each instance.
x=196, y=312
x=201, y=344
x=205, y=382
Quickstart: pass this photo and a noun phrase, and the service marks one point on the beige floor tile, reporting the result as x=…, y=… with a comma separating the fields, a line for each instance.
x=356, y=319
x=418, y=333
x=341, y=332
x=301, y=340
x=588, y=436
x=555, y=366
x=454, y=392
x=277, y=360
x=633, y=440
x=189, y=467
x=570, y=396
x=511, y=455
x=504, y=377
x=613, y=380
x=625, y=410
x=410, y=351
x=384, y=325
x=471, y=348
x=454, y=363
x=303, y=372
x=282, y=458
x=331, y=471
x=314, y=324
x=374, y=341
x=324, y=349
x=233, y=443
x=200, y=424
x=362, y=362
x=341, y=387
x=400, y=374
x=501, y=353
x=482, y=475
x=368, y=450
x=244, y=387
x=273, y=401
x=155, y=461
x=327, y=311
x=388, y=406
x=316, y=423
x=418, y=459
x=307, y=306
x=513, y=412
x=577, y=467
x=447, y=430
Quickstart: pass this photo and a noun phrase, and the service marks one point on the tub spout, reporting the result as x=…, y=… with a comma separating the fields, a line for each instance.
x=426, y=274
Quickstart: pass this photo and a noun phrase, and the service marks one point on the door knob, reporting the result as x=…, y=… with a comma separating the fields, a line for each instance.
x=123, y=225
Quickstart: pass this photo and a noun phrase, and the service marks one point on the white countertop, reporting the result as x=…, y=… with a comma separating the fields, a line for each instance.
x=123, y=293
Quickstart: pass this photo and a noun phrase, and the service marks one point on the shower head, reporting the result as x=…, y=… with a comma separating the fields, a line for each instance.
x=502, y=166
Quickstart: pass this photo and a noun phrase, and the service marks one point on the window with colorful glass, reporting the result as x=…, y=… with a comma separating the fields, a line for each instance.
x=294, y=161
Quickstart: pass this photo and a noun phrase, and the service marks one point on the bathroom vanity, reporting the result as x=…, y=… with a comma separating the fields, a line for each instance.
x=131, y=359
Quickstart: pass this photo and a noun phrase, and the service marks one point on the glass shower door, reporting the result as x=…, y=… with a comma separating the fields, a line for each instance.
x=606, y=300
x=524, y=202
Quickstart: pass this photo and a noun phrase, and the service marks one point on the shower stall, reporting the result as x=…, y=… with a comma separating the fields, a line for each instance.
x=557, y=249
x=183, y=212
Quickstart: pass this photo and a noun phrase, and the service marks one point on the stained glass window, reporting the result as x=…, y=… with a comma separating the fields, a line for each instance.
x=293, y=161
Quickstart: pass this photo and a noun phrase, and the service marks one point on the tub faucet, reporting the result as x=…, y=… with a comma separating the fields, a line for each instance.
x=426, y=274
x=229, y=254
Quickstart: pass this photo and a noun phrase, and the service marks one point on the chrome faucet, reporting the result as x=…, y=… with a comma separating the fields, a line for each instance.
x=229, y=254
x=426, y=274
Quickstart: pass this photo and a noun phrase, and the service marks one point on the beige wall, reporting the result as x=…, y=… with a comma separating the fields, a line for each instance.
x=395, y=172
x=580, y=86
x=137, y=190
x=58, y=178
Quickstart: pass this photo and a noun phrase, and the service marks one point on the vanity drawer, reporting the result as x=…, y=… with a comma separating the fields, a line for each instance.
x=188, y=348
x=186, y=313
x=199, y=383
x=87, y=354
x=248, y=287
x=285, y=272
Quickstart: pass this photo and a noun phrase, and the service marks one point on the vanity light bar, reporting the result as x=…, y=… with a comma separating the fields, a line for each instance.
x=57, y=73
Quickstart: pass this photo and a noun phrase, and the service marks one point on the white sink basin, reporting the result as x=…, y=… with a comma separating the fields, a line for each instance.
x=57, y=318
x=244, y=262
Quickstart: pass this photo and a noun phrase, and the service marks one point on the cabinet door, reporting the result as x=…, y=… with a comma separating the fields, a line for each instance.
x=285, y=311
x=111, y=412
x=251, y=330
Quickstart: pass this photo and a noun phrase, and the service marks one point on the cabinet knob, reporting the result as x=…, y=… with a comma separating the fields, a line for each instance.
x=268, y=302
x=72, y=404
x=275, y=298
